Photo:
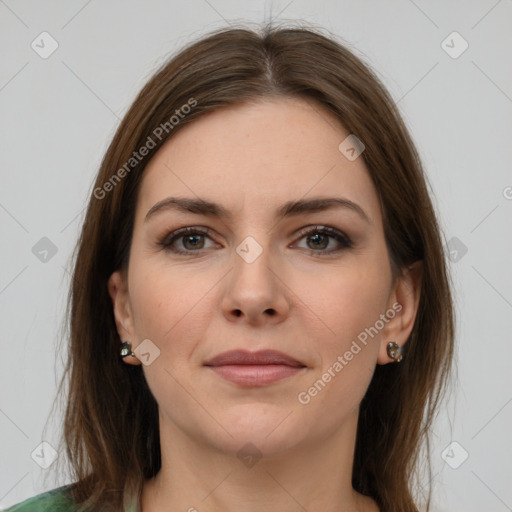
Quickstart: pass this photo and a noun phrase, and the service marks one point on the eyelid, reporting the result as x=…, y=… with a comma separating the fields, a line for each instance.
x=342, y=238
x=176, y=234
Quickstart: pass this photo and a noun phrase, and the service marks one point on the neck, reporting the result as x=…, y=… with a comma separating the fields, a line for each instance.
x=198, y=477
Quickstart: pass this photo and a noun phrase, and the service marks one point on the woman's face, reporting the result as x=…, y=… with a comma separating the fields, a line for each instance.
x=248, y=276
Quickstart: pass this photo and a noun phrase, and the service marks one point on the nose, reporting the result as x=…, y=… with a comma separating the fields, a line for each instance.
x=256, y=293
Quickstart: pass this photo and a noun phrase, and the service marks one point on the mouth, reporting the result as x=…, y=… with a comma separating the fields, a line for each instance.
x=253, y=369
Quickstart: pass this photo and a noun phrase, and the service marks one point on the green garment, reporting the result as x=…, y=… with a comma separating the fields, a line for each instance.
x=56, y=500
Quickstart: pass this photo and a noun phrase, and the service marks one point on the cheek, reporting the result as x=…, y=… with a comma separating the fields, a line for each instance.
x=349, y=303
x=346, y=353
x=348, y=300
x=169, y=304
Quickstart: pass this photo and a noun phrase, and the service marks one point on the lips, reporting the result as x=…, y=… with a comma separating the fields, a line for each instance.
x=260, y=358
x=254, y=369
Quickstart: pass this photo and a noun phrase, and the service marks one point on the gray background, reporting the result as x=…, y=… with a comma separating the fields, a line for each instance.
x=58, y=115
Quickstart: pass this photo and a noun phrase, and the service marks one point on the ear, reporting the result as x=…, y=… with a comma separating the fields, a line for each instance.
x=403, y=300
x=118, y=291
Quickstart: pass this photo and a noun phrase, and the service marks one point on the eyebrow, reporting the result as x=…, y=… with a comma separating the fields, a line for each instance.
x=288, y=209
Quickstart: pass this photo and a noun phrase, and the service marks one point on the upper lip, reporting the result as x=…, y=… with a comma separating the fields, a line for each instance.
x=245, y=357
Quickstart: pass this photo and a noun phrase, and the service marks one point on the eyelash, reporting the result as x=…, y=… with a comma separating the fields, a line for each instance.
x=345, y=241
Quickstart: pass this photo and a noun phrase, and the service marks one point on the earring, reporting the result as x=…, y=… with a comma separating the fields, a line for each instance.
x=126, y=349
x=394, y=351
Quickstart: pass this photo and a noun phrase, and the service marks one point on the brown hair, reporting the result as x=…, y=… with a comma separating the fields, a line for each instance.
x=111, y=432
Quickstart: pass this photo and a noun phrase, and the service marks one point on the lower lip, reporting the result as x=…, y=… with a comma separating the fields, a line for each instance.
x=256, y=375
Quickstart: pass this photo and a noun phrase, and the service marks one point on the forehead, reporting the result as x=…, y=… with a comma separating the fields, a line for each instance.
x=259, y=153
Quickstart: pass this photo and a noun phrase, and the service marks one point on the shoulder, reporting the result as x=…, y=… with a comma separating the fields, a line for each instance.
x=56, y=500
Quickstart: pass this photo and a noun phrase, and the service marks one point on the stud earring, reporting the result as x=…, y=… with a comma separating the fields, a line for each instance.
x=126, y=349
x=394, y=351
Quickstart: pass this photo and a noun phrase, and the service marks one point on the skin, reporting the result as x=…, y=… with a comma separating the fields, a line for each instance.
x=251, y=159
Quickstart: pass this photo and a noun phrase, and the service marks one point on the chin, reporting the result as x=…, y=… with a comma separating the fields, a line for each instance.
x=271, y=432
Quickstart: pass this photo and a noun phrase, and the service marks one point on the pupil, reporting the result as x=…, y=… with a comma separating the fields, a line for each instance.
x=191, y=237
x=316, y=237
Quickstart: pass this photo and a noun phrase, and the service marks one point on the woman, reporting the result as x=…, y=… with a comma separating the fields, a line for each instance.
x=260, y=312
